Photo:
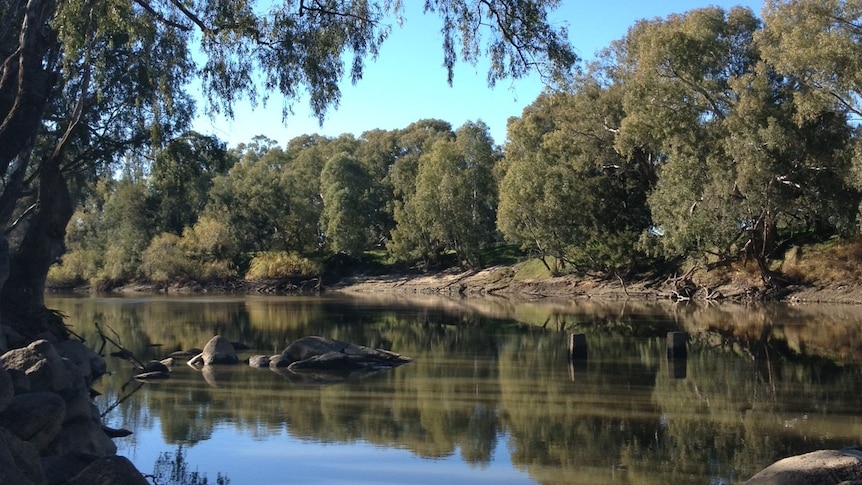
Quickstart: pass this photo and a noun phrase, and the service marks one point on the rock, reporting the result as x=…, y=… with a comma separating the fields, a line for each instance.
x=278, y=361
x=7, y=390
x=116, y=432
x=185, y=353
x=59, y=469
x=109, y=470
x=35, y=417
x=90, y=364
x=82, y=437
x=329, y=361
x=43, y=366
x=325, y=353
x=156, y=366
x=219, y=350
x=823, y=467
x=149, y=376
x=19, y=461
x=259, y=360
x=79, y=406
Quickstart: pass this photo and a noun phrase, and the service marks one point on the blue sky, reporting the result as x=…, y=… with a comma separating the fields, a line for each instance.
x=407, y=82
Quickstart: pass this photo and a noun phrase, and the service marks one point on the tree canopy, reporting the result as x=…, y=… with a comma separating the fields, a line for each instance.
x=87, y=85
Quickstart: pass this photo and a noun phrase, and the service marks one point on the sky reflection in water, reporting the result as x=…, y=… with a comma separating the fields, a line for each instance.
x=491, y=397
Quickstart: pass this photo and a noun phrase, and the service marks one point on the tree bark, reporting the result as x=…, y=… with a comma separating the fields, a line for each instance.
x=25, y=83
x=22, y=300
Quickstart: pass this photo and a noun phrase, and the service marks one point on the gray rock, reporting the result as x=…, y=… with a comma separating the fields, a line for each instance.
x=279, y=360
x=7, y=390
x=109, y=470
x=156, y=366
x=59, y=469
x=90, y=364
x=325, y=353
x=35, y=417
x=823, y=467
x=82, y=437
x=19, y=461
x=219, y=350
x=43, y=366
x=259, y=360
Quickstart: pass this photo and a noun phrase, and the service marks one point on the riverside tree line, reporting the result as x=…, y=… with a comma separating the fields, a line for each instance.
x=712, y=136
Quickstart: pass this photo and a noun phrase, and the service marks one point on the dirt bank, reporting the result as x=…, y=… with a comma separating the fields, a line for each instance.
x=500, y=281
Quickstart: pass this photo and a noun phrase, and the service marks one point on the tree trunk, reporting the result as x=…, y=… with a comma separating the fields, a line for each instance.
x=22, y=301
x=25, y=83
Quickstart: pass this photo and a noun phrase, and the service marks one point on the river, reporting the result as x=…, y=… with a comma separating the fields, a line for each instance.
x=491, y=397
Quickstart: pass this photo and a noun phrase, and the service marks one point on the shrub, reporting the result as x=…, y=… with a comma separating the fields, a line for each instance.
x=76, y=267
x=281, y=264
x=164, y=260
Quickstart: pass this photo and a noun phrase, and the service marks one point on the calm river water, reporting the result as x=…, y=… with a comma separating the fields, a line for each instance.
x=491, y=396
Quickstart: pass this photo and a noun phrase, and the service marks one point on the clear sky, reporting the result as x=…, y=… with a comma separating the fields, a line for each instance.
x=407, y=82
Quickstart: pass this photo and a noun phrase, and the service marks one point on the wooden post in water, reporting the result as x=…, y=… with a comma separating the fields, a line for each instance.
x=577, y=346
x=677, y=354
x=676, y=342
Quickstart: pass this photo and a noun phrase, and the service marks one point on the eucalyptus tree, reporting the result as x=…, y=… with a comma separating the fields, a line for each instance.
x=378, y=152
x=815, y=44
x=737, y=176
x=346, y=220
x=181, y=176
x=88, y=80
x=410, y=240
x=567, y=193
x=456, y=195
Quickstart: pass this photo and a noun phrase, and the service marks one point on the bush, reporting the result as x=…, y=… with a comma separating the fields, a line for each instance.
x=75, y=268
x=164, y=260
x=281, y=264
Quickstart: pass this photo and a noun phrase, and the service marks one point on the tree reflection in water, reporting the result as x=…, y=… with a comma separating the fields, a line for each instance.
x=173, y=469
x=759, y=383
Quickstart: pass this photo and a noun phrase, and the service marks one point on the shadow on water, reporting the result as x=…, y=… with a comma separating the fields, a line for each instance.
x=758, y=383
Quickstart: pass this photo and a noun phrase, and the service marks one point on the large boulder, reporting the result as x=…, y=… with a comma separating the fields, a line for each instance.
x=82, y=437
x=35, y=417
x=109, y=470
x=219, y=350
x=90, y=364
x=322, y=353
x=19, y=461
x=7, y=390
x=823, y=467
x=39, y=367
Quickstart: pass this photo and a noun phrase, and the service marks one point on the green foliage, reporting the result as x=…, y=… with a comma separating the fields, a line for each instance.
x=738, y=172
x=181, y=176
x=347, y=211
x=566, y=192
x=455, y=199
x=281, y=264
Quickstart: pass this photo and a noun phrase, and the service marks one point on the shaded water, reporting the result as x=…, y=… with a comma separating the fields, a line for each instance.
x=491, y=396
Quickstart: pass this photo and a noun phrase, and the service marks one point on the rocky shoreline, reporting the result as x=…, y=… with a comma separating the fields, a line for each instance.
x=499, y=282
x=51, y=433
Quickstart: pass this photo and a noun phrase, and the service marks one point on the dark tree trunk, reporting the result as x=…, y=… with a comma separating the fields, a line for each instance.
x=25, y=83
x=22, y=301
x=27, y=79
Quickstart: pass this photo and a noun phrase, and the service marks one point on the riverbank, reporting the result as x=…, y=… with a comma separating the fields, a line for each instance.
x=501, y=281
x=507, y=281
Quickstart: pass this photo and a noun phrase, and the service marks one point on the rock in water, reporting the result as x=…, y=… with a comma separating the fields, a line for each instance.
x=219, y=350
x=823, y=467
x=322, y=353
